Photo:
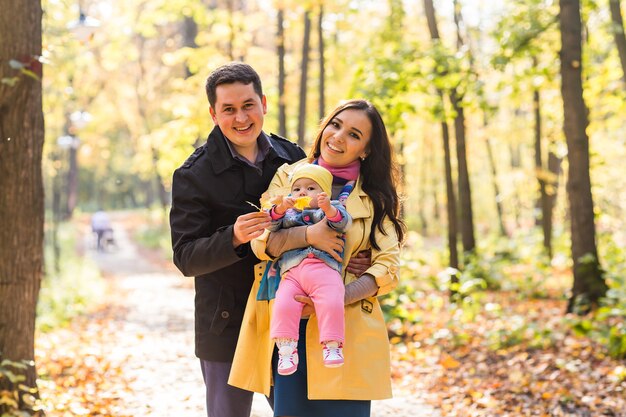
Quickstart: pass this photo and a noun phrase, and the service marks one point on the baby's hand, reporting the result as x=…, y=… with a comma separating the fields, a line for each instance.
x=285, y=204
x=323, y=202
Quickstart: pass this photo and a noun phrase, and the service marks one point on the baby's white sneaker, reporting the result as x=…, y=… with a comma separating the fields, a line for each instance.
x=333, y=354
x=287, y=360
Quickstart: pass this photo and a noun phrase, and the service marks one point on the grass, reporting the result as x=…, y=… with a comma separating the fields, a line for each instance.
x=153, y=232
x=72, y=284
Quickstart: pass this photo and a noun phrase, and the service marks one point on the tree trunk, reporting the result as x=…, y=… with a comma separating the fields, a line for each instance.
x=496, y=188
x=69, y=162
x=280, y=35
x=436, y=206
x=320, y=43
x=422, y=187
x=589, y=283
x=543, y=201
x=547, y=178
x=429, y=9
x=232, y=32
x=457, y=22
x=158, y=181
x=144, y=117
x=515, y=159
x=451, y=199
x=304, y=77
x=434, y=186
x=618, y=33
x=538, y=155
x=399, y=141
x=56, y=216
x=22, y=201
x=190, y=31
x=465, y=194
x=554, y=169
x=72, y=180
x=431, y=19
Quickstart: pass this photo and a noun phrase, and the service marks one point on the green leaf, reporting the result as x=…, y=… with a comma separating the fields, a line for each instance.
x=20, y=365
x=583, y=327
x=10, y=81
x=31, y=74
x=26, y=388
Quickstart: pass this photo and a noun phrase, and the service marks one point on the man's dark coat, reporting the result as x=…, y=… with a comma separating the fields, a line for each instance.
x=209, y=191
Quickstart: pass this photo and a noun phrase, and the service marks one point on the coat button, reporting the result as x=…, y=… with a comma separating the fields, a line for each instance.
x=225, y=314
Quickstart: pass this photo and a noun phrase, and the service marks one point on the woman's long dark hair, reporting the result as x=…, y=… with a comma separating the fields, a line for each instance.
x=379, y=173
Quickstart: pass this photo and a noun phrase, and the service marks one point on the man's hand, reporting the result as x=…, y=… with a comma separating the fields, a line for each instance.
x=250, y=226
x=360, y=263
x=309, y=308
x=322, y=237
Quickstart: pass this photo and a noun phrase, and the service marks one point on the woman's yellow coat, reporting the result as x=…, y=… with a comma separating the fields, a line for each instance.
x=365, y=374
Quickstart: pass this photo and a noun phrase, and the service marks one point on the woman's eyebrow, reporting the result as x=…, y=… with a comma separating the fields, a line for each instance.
x=353, y=128
x=360, y=133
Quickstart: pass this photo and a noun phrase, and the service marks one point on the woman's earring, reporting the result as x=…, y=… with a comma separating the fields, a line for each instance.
x=363, y=157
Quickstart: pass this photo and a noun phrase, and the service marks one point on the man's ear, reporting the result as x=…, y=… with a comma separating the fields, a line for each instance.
x=213, y=114
x=264, y=102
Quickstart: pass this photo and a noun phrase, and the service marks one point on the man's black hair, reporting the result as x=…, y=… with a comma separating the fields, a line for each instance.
x=234, y=72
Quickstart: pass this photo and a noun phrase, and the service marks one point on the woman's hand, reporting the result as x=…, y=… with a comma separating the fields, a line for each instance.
x=322, y=237
x=309, y=308
x=360, y=263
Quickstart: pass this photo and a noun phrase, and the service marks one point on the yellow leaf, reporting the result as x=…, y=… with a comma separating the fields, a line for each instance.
x=302, y=203
x=276, y=200
x=267, y=202
x=476, y=395
x=449, y=362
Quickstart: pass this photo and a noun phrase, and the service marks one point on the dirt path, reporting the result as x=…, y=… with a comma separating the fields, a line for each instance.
x=153, y=336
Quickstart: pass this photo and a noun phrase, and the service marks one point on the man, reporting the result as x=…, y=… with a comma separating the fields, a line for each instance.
x=212, y=223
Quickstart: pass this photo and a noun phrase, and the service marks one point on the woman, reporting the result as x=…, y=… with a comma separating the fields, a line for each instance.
x=353, y=144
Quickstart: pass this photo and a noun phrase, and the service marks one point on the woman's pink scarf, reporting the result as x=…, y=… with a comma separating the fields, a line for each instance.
x=348, y=172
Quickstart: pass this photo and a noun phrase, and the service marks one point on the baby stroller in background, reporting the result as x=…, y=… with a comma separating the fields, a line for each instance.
x=101, y=227
x=105, y=240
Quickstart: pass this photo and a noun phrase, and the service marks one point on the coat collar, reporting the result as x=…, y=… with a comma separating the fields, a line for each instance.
x=221, y=157
x=356, y=204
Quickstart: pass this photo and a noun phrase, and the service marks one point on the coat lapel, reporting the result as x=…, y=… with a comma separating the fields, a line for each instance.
x=221, y=158
x=356, y=202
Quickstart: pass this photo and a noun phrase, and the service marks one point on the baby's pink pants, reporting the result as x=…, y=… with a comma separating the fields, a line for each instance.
x=313, y=278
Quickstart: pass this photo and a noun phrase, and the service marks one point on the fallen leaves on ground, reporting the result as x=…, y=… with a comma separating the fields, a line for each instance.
x=77, y=376
x=464, y=374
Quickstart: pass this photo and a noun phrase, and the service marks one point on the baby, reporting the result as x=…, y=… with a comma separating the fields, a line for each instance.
x=309, y=271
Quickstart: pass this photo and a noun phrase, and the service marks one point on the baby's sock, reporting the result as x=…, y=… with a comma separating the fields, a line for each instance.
x=285, y=342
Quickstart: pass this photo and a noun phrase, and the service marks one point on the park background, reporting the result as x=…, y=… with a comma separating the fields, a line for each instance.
x=497, y=313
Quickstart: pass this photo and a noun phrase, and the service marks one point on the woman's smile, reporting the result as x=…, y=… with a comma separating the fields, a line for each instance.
x=333, y=148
